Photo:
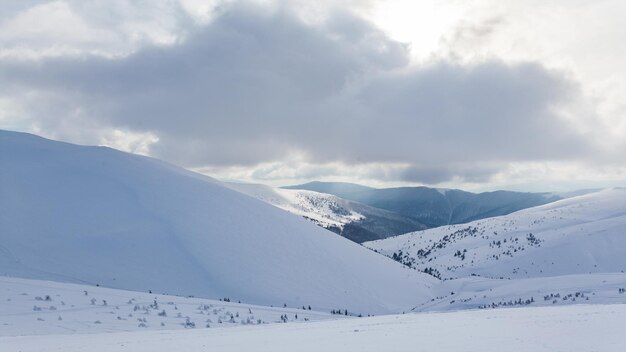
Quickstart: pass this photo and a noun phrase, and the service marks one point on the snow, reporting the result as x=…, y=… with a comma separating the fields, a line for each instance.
x=324, y=209
x=479, y=292
x=104, y=251
x=36, y=307
x=571, y=328
x=95, y=215
x=579, y=235
x=352, y=220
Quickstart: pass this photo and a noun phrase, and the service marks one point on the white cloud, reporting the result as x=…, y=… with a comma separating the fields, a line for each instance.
x=281, y=92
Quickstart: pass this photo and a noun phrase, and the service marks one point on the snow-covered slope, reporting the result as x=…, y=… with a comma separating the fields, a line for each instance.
x=324, y=209
x=97, y=215
x=355, y=221
x=483, y=293
x=579, y=235
x=544, y=329
x=37, y=307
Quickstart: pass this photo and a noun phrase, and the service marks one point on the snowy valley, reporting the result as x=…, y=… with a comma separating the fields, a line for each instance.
x=104, y=250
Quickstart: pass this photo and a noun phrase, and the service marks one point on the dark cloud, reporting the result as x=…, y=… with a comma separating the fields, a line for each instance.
x=257, y=85
x=434, y=174
x=488, y=111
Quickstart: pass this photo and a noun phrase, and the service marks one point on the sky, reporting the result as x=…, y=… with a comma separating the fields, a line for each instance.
x=480, y=95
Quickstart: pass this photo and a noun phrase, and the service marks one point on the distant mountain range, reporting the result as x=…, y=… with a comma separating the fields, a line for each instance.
x=353, y=220
x=362, y=213
x=433, y=207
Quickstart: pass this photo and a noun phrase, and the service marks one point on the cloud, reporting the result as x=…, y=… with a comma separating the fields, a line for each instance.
x=39, y=29
x=487, y=111
x=257, y=84
x=434, y=174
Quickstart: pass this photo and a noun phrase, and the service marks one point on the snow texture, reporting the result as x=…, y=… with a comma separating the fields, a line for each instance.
x=96, y=328
x=36, y=307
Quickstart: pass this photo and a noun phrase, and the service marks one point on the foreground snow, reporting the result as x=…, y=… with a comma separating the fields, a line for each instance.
x=573, y=328
x=37, y=307
x=50, y=316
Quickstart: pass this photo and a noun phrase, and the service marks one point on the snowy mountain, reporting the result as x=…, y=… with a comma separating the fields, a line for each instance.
x=434, y=207
x=99, y=216
x=352, y=220
x=368, y=214
x=579, y=235
x=93, y=219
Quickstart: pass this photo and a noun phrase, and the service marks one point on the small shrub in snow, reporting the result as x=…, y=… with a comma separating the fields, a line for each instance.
x=188, y=324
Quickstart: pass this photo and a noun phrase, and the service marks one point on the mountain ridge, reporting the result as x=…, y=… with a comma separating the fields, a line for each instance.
x=434, y=207
x=355, y=221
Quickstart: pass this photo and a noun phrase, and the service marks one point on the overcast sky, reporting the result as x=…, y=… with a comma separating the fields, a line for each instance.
x=526, y=95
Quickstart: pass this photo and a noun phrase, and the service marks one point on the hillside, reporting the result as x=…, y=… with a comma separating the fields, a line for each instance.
x=579, y=235
x=97, y=328
x=434, y=207
x=352, y=220
x=99, y=216
x=37, y=307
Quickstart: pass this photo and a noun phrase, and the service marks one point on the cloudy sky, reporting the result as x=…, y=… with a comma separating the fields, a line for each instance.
x=527, y=95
